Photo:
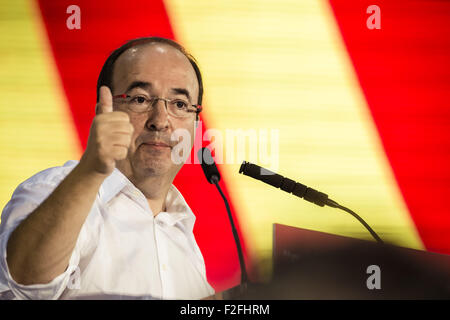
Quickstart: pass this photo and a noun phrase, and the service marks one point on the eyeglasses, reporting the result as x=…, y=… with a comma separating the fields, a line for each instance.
x=177, y=108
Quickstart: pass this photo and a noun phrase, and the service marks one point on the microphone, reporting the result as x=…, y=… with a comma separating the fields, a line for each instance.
x=209, y=166
x=299, y=190
x=285, y=184
x=213, y=176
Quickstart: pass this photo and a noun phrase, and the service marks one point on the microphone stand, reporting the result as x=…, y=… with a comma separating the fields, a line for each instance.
x=244, y=276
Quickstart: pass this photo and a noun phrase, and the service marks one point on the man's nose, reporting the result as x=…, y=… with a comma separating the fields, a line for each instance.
x=158, y=117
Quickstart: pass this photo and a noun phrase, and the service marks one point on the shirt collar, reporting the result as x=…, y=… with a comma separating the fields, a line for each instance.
x=177, y=209
x=112, y=185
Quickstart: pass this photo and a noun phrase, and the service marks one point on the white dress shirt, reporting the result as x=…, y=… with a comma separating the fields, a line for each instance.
x=122, y=250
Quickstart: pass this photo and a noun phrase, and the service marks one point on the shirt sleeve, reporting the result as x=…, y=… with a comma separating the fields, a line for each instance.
x=25, y=199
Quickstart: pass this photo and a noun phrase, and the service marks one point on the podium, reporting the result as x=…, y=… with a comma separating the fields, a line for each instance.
x=316, y=265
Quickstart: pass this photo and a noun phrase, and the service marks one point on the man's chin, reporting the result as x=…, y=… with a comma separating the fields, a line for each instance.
x=156, y=162
x=152, y=166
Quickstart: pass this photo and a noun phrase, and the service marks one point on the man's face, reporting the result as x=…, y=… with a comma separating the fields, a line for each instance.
x=155, y=70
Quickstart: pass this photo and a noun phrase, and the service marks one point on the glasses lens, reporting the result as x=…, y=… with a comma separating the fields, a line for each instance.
x=179, y=108
x=138, y=103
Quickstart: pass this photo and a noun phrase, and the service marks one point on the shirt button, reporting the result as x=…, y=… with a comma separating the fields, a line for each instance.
x=160, y=223
x=164, y=268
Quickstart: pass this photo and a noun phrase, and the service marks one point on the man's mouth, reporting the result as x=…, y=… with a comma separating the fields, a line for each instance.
x=157, y=144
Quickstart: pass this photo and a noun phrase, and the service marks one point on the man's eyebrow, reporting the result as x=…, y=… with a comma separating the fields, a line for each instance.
x=139, y=84
x=182, y=91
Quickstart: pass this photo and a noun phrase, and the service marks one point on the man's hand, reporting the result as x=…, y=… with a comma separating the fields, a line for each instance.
x=47, y=237
x=109, y=137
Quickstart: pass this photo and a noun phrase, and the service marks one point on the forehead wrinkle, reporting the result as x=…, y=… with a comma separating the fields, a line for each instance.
x=139, y=84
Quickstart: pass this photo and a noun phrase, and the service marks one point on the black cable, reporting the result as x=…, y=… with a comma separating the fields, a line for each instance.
x=244, y=276
x=334, y=204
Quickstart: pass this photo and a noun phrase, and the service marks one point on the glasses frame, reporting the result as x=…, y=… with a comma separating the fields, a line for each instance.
x=198, y=108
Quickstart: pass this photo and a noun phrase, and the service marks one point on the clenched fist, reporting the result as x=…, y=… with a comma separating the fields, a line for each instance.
x=109, y=137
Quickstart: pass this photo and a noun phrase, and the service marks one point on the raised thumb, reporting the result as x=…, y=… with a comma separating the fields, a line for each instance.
x=105, y=103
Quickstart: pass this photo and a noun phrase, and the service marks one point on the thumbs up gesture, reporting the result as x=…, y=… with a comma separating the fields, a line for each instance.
x=109, y=137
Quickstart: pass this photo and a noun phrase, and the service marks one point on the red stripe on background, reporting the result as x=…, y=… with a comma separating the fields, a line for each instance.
x=404, y=73
x=79, y=56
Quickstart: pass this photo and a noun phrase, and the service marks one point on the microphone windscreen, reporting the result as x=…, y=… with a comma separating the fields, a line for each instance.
x=259, y=173
x=285, y=184
x=208, y=165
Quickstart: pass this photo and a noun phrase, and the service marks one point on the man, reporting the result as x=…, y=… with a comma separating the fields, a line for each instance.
x=113, y=223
